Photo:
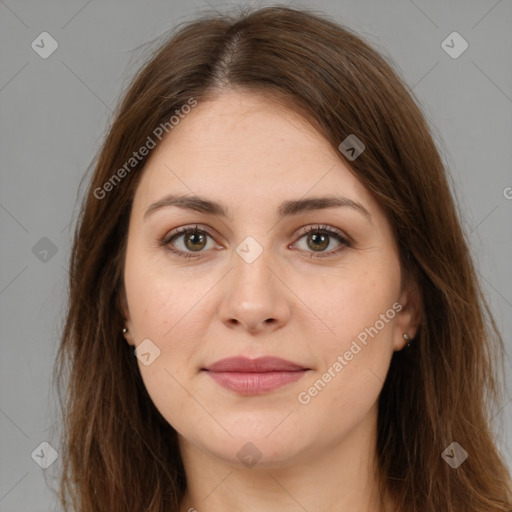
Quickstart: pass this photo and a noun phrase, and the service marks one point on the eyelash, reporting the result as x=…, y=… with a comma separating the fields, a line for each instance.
x=166, y=240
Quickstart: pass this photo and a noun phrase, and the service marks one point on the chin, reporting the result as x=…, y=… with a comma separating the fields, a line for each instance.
x=267, y=442
x=256, y=453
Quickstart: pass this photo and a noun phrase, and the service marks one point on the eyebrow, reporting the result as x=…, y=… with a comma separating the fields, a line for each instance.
x=287, y=208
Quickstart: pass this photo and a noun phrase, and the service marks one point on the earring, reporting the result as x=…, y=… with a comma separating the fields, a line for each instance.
x=125, y=330
x=408, y=340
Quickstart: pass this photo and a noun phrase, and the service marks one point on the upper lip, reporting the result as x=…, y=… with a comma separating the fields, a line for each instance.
x=258, y=365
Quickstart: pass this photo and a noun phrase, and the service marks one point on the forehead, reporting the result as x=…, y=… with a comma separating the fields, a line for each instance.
x=249, y=144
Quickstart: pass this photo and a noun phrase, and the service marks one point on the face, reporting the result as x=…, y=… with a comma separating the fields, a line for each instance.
x=274, y=274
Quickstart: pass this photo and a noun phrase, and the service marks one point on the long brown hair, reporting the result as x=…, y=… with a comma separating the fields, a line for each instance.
x=119, y=454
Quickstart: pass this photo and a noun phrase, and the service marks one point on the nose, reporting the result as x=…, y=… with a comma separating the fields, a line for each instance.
x=254, y=297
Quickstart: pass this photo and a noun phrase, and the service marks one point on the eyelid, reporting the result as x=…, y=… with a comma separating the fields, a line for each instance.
x=344, y=240
x=184, y=229
x=331, y=230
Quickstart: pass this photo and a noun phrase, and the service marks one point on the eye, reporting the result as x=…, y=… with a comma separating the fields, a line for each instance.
x=319, y=238
x=190, y=240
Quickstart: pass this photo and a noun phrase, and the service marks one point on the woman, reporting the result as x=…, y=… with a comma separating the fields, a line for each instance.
x=272, y=304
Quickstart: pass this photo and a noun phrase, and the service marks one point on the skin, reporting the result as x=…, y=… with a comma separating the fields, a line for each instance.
x=251, y=154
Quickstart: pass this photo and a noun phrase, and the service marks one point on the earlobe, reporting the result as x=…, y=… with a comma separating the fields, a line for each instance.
x=127, y=335
x=409, y=317
x=126, y=331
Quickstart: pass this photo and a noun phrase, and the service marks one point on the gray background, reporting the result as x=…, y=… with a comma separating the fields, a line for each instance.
x=54, y=113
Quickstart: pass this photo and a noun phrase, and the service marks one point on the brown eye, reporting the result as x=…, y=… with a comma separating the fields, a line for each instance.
x=315, y=241
x=318, y=241
x=195, y=240
x=186, y=241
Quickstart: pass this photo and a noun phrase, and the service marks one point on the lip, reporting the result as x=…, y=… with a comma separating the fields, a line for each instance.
x=254, y=376
x=258, y=365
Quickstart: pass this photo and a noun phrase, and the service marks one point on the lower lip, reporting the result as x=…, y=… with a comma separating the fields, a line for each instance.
x=255, y=383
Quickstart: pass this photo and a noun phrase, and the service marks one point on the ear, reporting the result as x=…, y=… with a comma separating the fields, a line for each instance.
x=408, y=318
x=123, y=303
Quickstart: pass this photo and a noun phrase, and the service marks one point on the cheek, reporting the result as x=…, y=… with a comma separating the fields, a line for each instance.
x=164, y=312
x=358, y=308
x=351, y=302
x=167, y=307
x=354, y=362
x=158, y=296
x=171, y=319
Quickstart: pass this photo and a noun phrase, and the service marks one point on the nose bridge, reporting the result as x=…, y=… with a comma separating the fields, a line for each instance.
x=251, y=275
x=254, y=298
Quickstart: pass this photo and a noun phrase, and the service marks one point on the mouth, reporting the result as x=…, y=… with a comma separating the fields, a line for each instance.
x=254, y=376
